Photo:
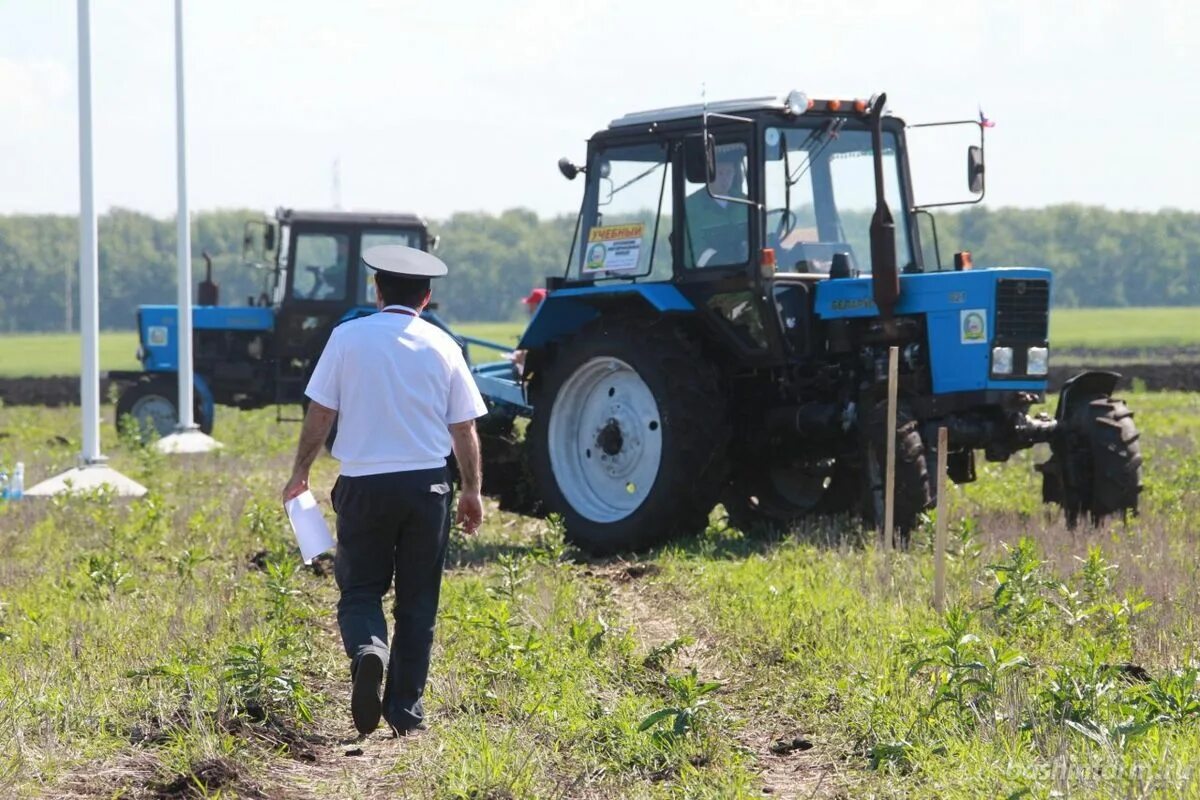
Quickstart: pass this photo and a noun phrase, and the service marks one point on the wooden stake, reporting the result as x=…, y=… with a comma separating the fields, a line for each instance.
x=889, y=475
x=939, y=541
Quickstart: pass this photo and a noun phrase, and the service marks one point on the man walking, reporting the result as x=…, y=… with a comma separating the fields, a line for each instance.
x=403, y=397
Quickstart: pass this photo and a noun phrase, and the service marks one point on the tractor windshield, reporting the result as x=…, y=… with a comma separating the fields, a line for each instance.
x=820, y=195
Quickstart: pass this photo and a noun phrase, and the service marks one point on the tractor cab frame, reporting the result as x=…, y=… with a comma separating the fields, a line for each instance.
x=263, y=353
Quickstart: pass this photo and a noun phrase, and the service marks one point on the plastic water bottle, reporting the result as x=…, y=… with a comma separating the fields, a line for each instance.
x=3, y=485
x=16, y=487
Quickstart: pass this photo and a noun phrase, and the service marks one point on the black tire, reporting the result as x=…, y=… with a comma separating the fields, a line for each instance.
x=691, y=433
x=844, y=493
x=506, y=473
x=912, y=495
x=773, y=498
x=137, y=402
x=1096, y=468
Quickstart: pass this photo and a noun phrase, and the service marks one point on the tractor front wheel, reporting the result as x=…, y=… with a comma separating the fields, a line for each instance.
x=151, y=408
x=1096, y=466
x=911, y=494
x=629, y=436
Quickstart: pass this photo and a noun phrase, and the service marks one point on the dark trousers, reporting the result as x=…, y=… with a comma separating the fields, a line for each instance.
x=392, y=525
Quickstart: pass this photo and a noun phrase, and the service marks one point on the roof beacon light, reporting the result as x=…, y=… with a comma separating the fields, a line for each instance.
x=766, y=262
x=797, y=103
x=834, y=105
x=860, y=106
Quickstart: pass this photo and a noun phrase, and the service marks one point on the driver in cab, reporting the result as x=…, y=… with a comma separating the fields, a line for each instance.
x=326, y=281
x=717, y=229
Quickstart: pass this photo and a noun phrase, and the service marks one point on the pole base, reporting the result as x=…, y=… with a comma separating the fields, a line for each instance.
x=86, y=478
x=184, y=442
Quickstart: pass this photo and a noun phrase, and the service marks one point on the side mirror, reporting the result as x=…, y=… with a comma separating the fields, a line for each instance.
x=258, y=239
x=254, y=238
x=568, y=170
x=700, y=158
x=975, y=169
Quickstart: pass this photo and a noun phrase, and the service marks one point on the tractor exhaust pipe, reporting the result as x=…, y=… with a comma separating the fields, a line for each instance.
x=209, y=292
x=885, y=278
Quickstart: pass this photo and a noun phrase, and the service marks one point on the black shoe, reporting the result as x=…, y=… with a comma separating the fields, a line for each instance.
x=409, y=730
x=366, y=704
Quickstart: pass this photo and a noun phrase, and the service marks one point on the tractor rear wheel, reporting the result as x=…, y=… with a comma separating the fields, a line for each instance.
x=151, y=408
x=912, y=494
x=1096, y=466
x=629, y=435
x=506, y=473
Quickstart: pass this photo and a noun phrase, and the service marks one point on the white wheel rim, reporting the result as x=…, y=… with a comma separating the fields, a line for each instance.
x=605, y=440
x=153, y=411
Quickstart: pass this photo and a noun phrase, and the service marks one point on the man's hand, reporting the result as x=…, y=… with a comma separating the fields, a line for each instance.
x=470, y=512
x=466, y=451
x=317, y=423
x=296, y=486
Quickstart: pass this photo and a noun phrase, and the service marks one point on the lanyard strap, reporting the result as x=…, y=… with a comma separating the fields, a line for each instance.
x=400, y=310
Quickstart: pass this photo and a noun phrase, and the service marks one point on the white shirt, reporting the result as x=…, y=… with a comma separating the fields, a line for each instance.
x=397, y=383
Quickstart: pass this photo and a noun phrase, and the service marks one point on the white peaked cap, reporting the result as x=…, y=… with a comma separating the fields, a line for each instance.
x=407, y=261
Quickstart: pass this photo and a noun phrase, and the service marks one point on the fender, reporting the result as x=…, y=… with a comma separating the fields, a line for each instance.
x=1082, y=386
x=207, y=404
x=200, y=385
x=565, y=311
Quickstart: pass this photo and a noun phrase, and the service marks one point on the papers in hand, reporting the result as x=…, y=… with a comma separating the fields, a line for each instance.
x=312, y=534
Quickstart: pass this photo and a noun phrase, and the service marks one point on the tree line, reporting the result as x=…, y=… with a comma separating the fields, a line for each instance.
x=1099, y=257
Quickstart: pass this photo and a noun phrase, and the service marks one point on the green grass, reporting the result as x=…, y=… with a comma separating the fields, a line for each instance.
x=45, y=354
x=1102, y=328
x=145, y=642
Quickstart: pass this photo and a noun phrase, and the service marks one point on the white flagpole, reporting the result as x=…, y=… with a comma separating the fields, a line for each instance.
x=187, y=437
x=89, y=279
x=93, y=470
x=183, y=223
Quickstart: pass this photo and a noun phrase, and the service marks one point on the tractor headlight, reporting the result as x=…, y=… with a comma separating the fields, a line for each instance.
x=1002, y=360
x=1038, y=360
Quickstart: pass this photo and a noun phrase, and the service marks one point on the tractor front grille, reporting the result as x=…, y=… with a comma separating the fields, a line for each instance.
x=1022, y=310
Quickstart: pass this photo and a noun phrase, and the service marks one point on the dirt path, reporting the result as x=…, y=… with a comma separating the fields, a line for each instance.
x=790, y=765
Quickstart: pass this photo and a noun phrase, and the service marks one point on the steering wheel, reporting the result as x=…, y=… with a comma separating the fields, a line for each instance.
x=318, y=274
x=719, y=250
x=786, y=223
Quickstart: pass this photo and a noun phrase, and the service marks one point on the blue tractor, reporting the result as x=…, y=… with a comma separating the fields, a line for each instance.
x=261, y=353
x=739, y=273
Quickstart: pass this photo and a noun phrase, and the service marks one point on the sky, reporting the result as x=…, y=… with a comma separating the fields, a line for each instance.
x=464, y=105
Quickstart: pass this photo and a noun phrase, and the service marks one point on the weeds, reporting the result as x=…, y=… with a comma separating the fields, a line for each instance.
x=140, y=633
x=262, y=685
x=690, y=709
x=964, y=669
x=1018, y=601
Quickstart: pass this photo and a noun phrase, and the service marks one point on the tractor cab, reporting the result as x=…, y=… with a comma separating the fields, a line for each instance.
x=317, y=276
x=262, y=353
x=744, y=206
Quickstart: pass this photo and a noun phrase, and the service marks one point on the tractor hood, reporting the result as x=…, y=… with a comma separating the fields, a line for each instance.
x=158, y=328
x=967, y=314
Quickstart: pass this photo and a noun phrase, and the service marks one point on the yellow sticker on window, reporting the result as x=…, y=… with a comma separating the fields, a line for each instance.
x=614, y=248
